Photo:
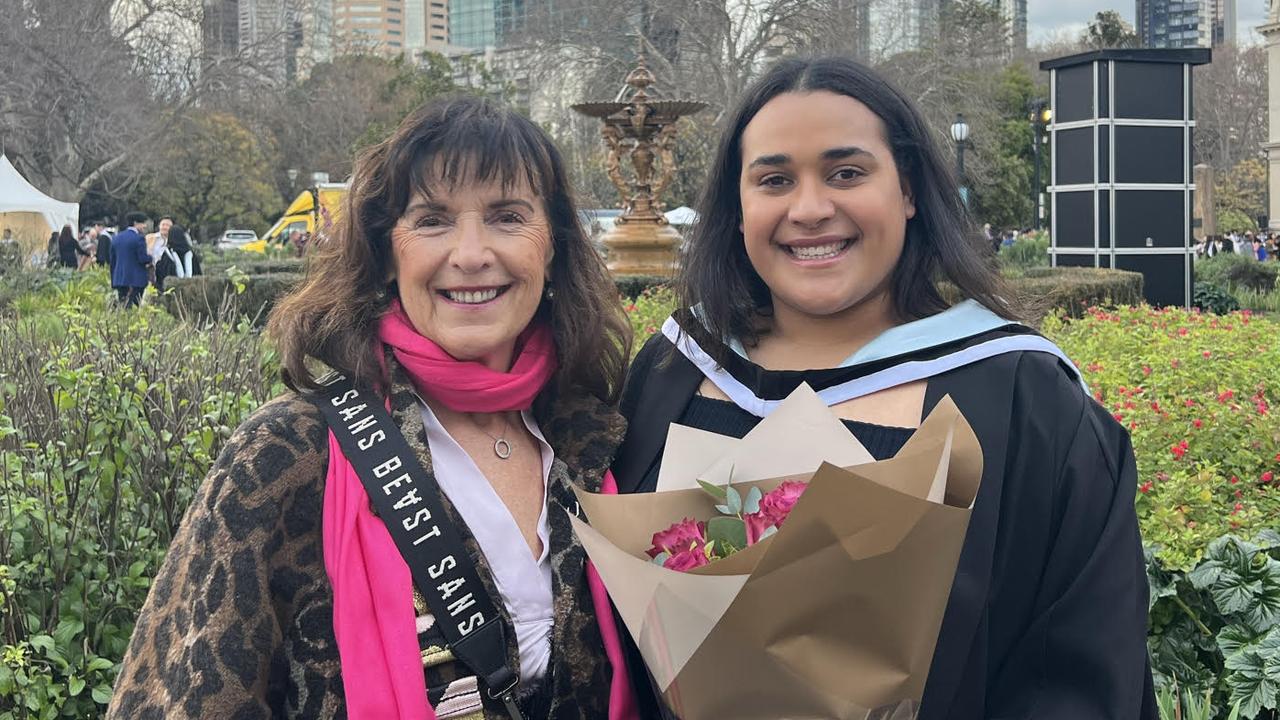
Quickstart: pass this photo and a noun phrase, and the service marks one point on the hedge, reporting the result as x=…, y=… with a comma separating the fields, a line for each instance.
x=1074, y=290
x=1044, y=289
x=200, y=298
x=263, y=266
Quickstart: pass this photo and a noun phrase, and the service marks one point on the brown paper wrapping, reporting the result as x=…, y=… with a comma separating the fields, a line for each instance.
x=836, y=615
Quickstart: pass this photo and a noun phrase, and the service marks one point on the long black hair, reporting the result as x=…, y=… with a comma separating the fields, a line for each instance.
x=941, y=242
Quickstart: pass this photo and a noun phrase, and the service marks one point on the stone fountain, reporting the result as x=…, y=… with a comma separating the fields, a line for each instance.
x=643, y=129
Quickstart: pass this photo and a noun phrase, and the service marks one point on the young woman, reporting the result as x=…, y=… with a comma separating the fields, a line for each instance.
x=828, y=223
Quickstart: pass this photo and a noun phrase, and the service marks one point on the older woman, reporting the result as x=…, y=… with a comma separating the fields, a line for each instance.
x=453, y=291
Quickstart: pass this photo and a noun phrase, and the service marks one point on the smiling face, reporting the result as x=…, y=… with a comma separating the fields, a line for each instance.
x=471, y=263
x=164, y=226
x=824, y=211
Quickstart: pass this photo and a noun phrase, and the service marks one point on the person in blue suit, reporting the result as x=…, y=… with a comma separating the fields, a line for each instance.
x=131, y=268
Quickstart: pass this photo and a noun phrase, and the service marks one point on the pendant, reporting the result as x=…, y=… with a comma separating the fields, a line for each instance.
x=502, y=448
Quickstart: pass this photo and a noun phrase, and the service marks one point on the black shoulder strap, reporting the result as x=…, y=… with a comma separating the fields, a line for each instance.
x=658, y=389
x=407, y=499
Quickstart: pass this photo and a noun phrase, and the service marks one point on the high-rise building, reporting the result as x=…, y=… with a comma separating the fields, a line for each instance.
x=220, y=29
x=901, y=26
x=1177, y=23
x=271, y=36
x=1224, y=22
x=1015, y=11
x=484, y=23
x=390, y=27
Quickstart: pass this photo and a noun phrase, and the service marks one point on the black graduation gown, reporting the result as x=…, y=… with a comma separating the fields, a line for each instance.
x=1047, y=617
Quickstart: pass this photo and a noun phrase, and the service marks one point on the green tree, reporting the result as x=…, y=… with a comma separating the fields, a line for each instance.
x=212, y=173
x=1240, y=195
x=1109, y=30
x=1004, y=200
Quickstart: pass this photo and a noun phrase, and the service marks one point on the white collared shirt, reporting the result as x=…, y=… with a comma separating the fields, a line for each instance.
x=523, y=582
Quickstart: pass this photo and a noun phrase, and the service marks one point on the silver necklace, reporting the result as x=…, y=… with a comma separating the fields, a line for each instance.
x=501, y=446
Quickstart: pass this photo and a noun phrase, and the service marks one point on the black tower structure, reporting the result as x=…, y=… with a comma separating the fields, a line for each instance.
x=1121, y=186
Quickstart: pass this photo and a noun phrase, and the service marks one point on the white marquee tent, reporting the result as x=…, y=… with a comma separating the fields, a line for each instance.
x=29, y=213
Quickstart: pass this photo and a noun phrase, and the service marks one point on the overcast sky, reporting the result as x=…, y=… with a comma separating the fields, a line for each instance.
x=1049, y=18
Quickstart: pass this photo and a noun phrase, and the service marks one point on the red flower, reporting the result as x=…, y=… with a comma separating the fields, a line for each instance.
x=1182, y=332
x=1178, y=451
x=1268, y=476
x=1146, y=369
x=1145, y=487
x=1226, y=395
x=680, y=537
x=1278, y=457
x=686, y=560
x=1119, y=418
x=1234, y=479
x=776, y=505
x=1198, y=423
x=631, y=307
x=1189, y=402
x=1238, y=508
x=1207, y=354
x=1176, y=363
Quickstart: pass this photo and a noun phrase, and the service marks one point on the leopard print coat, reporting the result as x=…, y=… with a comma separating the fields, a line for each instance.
x=239, y=621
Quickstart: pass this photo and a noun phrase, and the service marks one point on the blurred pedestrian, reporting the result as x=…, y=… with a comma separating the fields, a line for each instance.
x=103, y=239
x=132, y=268
x=69, y=250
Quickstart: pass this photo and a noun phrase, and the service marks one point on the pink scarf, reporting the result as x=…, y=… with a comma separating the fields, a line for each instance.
x=373, y=616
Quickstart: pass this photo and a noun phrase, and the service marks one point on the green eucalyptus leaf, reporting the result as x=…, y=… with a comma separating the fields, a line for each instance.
x=735, y=500
x=752, y=503
x=661, y=558
x=727, y=532
x=724, y=510
x=714, y=491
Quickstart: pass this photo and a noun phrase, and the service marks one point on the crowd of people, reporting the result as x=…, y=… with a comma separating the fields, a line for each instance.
x=135, y=257
x=1260, y=246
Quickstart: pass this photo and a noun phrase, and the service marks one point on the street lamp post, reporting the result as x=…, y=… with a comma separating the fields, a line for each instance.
x=960, y=134
x=1041, y=115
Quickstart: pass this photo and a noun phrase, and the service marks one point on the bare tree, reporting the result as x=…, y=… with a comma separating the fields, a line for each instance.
x=1231, y=106
x=88, y=88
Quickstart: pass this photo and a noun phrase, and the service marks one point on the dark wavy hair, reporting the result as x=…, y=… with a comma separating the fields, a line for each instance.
x=332, y=317
x=941, y=242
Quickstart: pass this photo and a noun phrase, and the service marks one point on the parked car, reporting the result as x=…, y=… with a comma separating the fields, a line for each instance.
x=236, y=238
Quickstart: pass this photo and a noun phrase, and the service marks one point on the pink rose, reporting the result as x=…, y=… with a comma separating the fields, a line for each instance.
x=777, y=504
x=679, y=538
x=756, y=524
x=686, y=560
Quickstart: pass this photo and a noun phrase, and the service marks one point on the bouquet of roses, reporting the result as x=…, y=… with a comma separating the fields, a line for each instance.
x=813, y=576
x=742, y=523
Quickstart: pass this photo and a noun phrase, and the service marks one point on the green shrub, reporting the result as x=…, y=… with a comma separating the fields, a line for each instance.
x=1267, y=301
x=1214, y=299
x=1236, y=272
x=106, y=429
x=648, y=311
x=632, y=286
x=258, y=265
x=1026, y=252
x=208, y=296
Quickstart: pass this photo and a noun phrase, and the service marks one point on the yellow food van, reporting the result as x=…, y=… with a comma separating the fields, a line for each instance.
x=314, y=211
